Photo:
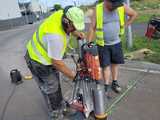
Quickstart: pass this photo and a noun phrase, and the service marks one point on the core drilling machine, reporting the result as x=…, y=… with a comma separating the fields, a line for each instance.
x=88, y=92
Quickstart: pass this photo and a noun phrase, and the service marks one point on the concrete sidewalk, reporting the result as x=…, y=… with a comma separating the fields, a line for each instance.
x=142, y=103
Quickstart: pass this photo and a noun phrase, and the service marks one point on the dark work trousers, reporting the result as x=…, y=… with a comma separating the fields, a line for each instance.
x=48, y=81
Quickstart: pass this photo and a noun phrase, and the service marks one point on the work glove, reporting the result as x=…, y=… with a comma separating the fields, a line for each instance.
x=79, y=35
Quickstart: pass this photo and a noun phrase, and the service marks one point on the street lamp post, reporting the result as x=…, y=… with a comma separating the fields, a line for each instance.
x=46, y=5
x=25, y=13
x=74, y=3
x=41, y=14
x=129, y=32
x=10, y=21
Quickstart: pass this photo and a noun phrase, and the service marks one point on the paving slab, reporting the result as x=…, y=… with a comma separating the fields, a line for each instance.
x=142, y=103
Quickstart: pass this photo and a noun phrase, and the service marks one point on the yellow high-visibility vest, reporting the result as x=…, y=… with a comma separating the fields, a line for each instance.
x=36, y=47
x=99, y=23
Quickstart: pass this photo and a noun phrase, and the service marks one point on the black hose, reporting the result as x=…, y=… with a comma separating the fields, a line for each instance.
x=7, y=102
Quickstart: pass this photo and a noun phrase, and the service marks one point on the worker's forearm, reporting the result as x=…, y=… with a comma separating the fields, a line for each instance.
x=132, y=14
x=131, y=20
x=78, y=34
x=92, y=27
x=91, y=34
x=64, y=69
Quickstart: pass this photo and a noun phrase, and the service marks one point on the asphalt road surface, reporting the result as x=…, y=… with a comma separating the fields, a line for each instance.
x=27, y=103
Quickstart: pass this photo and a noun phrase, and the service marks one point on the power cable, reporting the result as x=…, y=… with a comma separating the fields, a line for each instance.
x=130, y=86
x=7, y=102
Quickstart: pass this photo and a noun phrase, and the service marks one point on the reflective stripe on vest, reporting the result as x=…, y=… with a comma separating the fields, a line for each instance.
x=38, y=53
x=41, y=58
x=38, y=40
x=36, y=46
x=99, y=23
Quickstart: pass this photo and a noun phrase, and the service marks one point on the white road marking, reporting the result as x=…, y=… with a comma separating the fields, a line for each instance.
x=141, y=70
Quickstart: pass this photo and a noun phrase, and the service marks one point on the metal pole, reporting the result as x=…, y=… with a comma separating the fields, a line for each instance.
x=10, y=21
x=25, y=12
x=129, y=32
x=74, y=3
x=40, y=9
x=46, y=5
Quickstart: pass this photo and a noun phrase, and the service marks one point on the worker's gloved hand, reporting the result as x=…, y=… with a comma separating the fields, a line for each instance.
x=79, y=35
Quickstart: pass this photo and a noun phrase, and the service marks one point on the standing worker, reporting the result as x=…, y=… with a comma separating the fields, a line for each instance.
x=46, y=50
x=108, y=22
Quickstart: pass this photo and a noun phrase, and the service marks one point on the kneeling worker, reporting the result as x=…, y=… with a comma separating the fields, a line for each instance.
x=46, y=50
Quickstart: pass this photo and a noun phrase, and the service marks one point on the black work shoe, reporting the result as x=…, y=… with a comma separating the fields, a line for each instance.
x=115, y=87
x=108, y=91
x=56, y=115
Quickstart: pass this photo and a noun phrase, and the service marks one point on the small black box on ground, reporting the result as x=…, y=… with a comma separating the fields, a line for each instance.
x=16, y=77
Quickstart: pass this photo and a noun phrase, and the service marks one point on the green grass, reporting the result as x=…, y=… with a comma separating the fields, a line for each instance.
x=140, y=43
x=145, y=5
x=146, y=9
x=143, y=18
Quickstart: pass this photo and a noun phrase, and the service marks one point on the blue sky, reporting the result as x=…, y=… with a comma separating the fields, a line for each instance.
x=62, y=2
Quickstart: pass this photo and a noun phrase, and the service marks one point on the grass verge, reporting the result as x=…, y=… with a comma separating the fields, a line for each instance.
x=140, y=43
x=145, y=5
x=146, y=9
x=145, y=17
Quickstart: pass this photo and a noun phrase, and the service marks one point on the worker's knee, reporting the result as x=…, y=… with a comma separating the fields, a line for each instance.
x=51, y=84
x=115, y=65
x=106, y=69
x=50, y=88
